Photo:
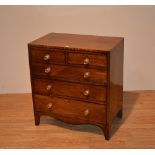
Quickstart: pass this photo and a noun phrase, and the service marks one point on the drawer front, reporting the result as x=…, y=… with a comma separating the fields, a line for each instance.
x=70, y=73
x=77, y=91
x=45, y=56
x=77, y=110
x=87, y=59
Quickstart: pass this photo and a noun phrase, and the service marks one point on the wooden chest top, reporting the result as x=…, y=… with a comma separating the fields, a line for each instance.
x=76, y=41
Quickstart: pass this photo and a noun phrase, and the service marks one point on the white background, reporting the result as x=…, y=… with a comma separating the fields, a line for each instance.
x=22, y=24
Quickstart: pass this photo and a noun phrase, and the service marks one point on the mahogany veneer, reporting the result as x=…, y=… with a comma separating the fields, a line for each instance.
x=77, y=79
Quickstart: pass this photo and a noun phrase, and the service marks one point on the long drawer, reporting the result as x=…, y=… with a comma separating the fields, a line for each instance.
x=69, y=73
x=86, y=92
x=75, y=110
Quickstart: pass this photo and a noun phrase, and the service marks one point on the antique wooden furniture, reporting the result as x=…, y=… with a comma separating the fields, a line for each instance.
x=77, y=79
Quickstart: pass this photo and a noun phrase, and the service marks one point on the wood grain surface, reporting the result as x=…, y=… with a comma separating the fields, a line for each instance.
x=67, y=73
x=136, y=130
x=78, y=58
x=76, y=41
x=75, y=90
x=56, y=56
x=71, y=111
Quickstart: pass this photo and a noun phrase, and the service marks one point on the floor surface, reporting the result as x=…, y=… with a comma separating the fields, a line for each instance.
x=135, y=130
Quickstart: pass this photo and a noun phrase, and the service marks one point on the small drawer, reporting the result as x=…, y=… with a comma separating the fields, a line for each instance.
x=87, y=59
x=76, y=110
x=48, y=56
x=74, y=90
x=69, y=73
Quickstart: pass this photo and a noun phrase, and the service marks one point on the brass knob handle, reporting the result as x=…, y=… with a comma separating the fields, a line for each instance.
x=50, y=105
x=86, y=92
x=48, y=87
x=47, y=70
x=46, y=57
x=86, y=112
x=86, y=61
x=86, y=75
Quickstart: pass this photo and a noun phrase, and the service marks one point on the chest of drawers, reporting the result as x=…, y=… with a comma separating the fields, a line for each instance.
x=77, y=79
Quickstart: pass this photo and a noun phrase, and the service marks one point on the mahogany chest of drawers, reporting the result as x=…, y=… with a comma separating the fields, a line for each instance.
x=77, y=79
